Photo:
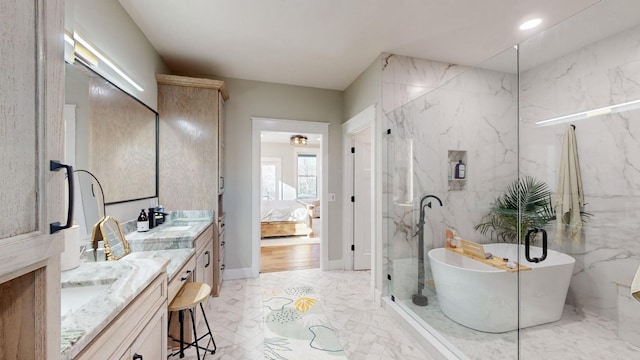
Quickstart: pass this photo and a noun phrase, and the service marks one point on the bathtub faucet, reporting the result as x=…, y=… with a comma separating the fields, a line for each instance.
x=422, y=205
x=418, y=298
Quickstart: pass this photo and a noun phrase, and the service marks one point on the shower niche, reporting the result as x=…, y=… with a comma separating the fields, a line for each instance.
x=457, y=170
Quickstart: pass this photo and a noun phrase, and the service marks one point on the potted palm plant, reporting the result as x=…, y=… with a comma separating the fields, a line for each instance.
x=526, y=197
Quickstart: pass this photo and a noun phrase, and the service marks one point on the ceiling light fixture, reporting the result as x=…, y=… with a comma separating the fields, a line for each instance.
x=106, y=61
x=298, y=140
x=530, y=24
x=612, y=109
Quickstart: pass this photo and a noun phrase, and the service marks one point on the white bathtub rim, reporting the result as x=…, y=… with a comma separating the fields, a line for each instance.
x=552, y=255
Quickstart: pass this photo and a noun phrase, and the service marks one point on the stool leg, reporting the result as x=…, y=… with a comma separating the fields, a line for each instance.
x=208, y=328
x=195, y=335
x=181, y=318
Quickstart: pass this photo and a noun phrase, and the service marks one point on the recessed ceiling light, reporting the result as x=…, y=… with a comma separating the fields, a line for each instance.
x=530, y=24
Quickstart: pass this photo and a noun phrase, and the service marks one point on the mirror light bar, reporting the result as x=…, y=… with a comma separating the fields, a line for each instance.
x=104, y=59
x=612, y=109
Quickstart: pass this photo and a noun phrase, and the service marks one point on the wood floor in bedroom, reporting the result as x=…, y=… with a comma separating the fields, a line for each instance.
x=280, y=256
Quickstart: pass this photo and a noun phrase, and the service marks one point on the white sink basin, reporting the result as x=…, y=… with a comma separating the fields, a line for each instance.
x=177, y=228
x=74, y=298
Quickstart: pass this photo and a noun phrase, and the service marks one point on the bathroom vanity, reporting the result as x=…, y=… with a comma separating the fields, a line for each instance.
x=118, y=309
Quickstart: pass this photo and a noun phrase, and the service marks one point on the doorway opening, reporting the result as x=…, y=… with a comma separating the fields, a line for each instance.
x=290, y=222
x=289, y=188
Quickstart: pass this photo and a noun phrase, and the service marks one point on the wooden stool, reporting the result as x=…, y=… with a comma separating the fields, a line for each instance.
x=191, y=295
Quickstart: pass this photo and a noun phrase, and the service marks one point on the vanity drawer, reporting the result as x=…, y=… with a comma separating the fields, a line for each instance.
x=221, y=224
x=119, y=334
x=221, y=244
x=185, y=274
x=201, y=241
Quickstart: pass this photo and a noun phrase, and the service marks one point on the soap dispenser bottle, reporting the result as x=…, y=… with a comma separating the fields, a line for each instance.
x=460, y=170
x=143, y=222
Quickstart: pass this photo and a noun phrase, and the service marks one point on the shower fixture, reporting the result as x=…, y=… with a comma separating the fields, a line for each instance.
x=418, y=298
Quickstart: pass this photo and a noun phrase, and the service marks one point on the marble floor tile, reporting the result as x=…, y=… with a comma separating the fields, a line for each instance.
x=367, y=332
x=364, y=329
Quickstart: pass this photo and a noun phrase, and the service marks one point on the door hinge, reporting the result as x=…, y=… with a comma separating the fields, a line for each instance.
x=388, y=131
x=353, y=199
x=388, y=276
x=353, y=247
x=353, y=150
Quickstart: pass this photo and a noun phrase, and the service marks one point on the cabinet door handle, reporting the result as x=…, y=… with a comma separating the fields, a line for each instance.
x=221, y=182
x=208, y=258
x=56, y=166
x=137, y=357
x=186, y=276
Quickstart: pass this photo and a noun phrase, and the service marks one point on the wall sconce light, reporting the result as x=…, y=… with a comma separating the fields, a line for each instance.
x=298, y=140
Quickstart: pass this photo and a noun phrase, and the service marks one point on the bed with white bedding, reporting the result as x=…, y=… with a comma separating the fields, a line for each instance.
x=284, y=218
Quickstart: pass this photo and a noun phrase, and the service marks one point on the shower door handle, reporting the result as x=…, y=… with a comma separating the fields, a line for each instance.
x=527, y=242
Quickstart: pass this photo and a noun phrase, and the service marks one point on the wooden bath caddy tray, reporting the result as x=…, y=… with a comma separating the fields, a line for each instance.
x=475, y=251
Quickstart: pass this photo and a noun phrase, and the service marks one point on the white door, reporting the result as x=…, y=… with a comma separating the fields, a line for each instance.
x=362, y=206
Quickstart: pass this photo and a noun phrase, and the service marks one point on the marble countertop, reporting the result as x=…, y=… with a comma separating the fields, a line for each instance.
x=177, y=258
x=106, y=288
x=124, y=280
x=176, y=233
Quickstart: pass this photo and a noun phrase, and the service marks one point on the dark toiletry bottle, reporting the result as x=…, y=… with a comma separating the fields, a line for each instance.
x=460, y=170
x=143, y=221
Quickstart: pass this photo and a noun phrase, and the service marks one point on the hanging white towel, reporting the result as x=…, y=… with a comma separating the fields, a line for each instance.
x=570, y=196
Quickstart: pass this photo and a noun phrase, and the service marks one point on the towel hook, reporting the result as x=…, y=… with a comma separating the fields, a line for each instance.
x=573, y=126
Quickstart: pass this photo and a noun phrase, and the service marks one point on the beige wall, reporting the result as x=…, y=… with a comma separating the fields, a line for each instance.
x=107, y=26
x=364, y=91
x=259, y=99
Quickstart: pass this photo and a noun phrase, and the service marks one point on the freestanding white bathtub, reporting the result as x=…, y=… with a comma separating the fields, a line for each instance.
x=485, y=298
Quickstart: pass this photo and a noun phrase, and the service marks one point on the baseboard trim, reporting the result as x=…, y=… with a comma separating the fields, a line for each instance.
x=235, y=274
x=336, y=264
x=377, y=296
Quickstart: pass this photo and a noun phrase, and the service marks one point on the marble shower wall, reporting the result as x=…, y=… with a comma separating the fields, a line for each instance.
x=604, y=73
x=431, y=108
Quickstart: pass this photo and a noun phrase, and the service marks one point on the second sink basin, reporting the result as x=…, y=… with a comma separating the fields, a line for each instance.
x=177, y=228
x=73, y=298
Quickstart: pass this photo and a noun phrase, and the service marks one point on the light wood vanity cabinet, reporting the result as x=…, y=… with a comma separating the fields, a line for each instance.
x=31, y=134
x=218, y=264
x=149, y=344
x=191, y=159
x=139, y=330
x=204, y=257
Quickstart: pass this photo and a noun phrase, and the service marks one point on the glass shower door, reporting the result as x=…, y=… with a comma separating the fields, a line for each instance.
x=579, y=132
x=457, y=115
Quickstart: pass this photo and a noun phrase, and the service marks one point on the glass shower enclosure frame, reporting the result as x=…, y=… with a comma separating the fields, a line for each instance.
x=560, y=109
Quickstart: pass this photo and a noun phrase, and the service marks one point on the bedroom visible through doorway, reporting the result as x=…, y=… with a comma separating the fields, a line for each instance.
x=290, y=223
